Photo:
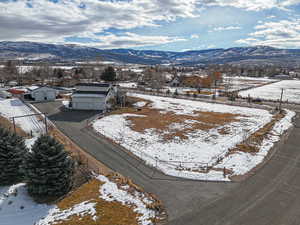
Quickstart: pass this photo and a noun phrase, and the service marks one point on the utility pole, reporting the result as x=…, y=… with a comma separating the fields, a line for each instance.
x=280, y=103
x=14, y=123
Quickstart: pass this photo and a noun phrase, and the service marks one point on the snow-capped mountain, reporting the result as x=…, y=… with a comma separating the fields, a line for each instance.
x=257, y=54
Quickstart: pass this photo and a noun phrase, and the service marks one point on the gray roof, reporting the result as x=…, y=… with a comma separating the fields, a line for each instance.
x=92, y=92
x=94, y=84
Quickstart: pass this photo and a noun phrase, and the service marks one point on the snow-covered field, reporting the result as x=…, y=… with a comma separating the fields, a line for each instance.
x=273, y=91
x=17, y=208
x=238, y=83
x=15, y=107
x=203, y=147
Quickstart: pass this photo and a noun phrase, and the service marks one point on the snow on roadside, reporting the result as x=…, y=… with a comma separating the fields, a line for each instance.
x=110, y=192
x=17, y=207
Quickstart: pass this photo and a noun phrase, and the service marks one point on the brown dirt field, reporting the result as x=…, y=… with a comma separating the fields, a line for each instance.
x=108, y=213
x=8, y=125
x=161, y=121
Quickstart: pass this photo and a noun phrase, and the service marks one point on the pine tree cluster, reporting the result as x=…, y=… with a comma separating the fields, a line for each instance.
x=47, y=168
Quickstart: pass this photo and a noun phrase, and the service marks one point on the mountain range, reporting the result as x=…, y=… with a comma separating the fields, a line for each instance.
x=237, y=55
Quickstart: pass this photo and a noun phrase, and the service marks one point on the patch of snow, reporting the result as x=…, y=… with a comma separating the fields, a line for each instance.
x=128, y=84
x=110, y=192
x=29, y=142
x=140, y=104
x=17, y=207
x=81, y=209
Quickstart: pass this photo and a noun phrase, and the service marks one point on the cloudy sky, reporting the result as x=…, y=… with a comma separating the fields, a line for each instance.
x=174, y=25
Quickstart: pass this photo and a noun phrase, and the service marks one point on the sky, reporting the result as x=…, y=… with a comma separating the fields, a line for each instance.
x=169, y=25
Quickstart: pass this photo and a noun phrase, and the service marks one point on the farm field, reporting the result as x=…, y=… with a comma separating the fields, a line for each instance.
x=238, y=83
x=273, y=91
x=194, y=139
x=93, y=203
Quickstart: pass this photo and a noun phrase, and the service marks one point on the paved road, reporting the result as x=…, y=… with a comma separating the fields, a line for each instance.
x=270, y=197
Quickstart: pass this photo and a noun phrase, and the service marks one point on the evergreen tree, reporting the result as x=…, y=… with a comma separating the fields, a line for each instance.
x=48, y=168
x=12, y=150
x=109, y=74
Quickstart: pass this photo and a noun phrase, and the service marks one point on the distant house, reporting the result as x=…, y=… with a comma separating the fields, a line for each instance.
x=42, y=93
x=92, y=96
x=175, y=82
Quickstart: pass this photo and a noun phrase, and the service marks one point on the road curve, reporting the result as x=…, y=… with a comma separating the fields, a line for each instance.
x=270, y=197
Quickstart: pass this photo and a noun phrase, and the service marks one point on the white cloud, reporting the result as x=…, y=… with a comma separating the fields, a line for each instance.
x=195, y=36
x=128, y=40
x=284, y=33
x=226, y=28
x=254, y=5
x=52, y=22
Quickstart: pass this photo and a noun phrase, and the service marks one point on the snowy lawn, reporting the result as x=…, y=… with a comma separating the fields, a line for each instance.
x=15, y=107
x=273, y=91
x=182, y=138
x=17, y=208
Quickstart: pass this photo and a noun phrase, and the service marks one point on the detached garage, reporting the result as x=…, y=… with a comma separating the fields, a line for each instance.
x=43, y=94
x=92, y=96
x=88, y=101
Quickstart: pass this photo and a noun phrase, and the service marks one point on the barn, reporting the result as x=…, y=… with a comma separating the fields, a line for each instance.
x=43, y=93
x=92, y=96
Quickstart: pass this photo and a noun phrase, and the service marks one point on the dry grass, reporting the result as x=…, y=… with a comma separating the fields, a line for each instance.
x=252, y=143
x=8, y=125
x=108, y=213
x=162, y=122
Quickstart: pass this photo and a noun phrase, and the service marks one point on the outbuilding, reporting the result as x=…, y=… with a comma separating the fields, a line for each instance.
x=92, y=96
x=43, y=93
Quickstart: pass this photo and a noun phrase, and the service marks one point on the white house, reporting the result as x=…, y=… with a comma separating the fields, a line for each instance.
x=42, y=93
x=92, y=96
